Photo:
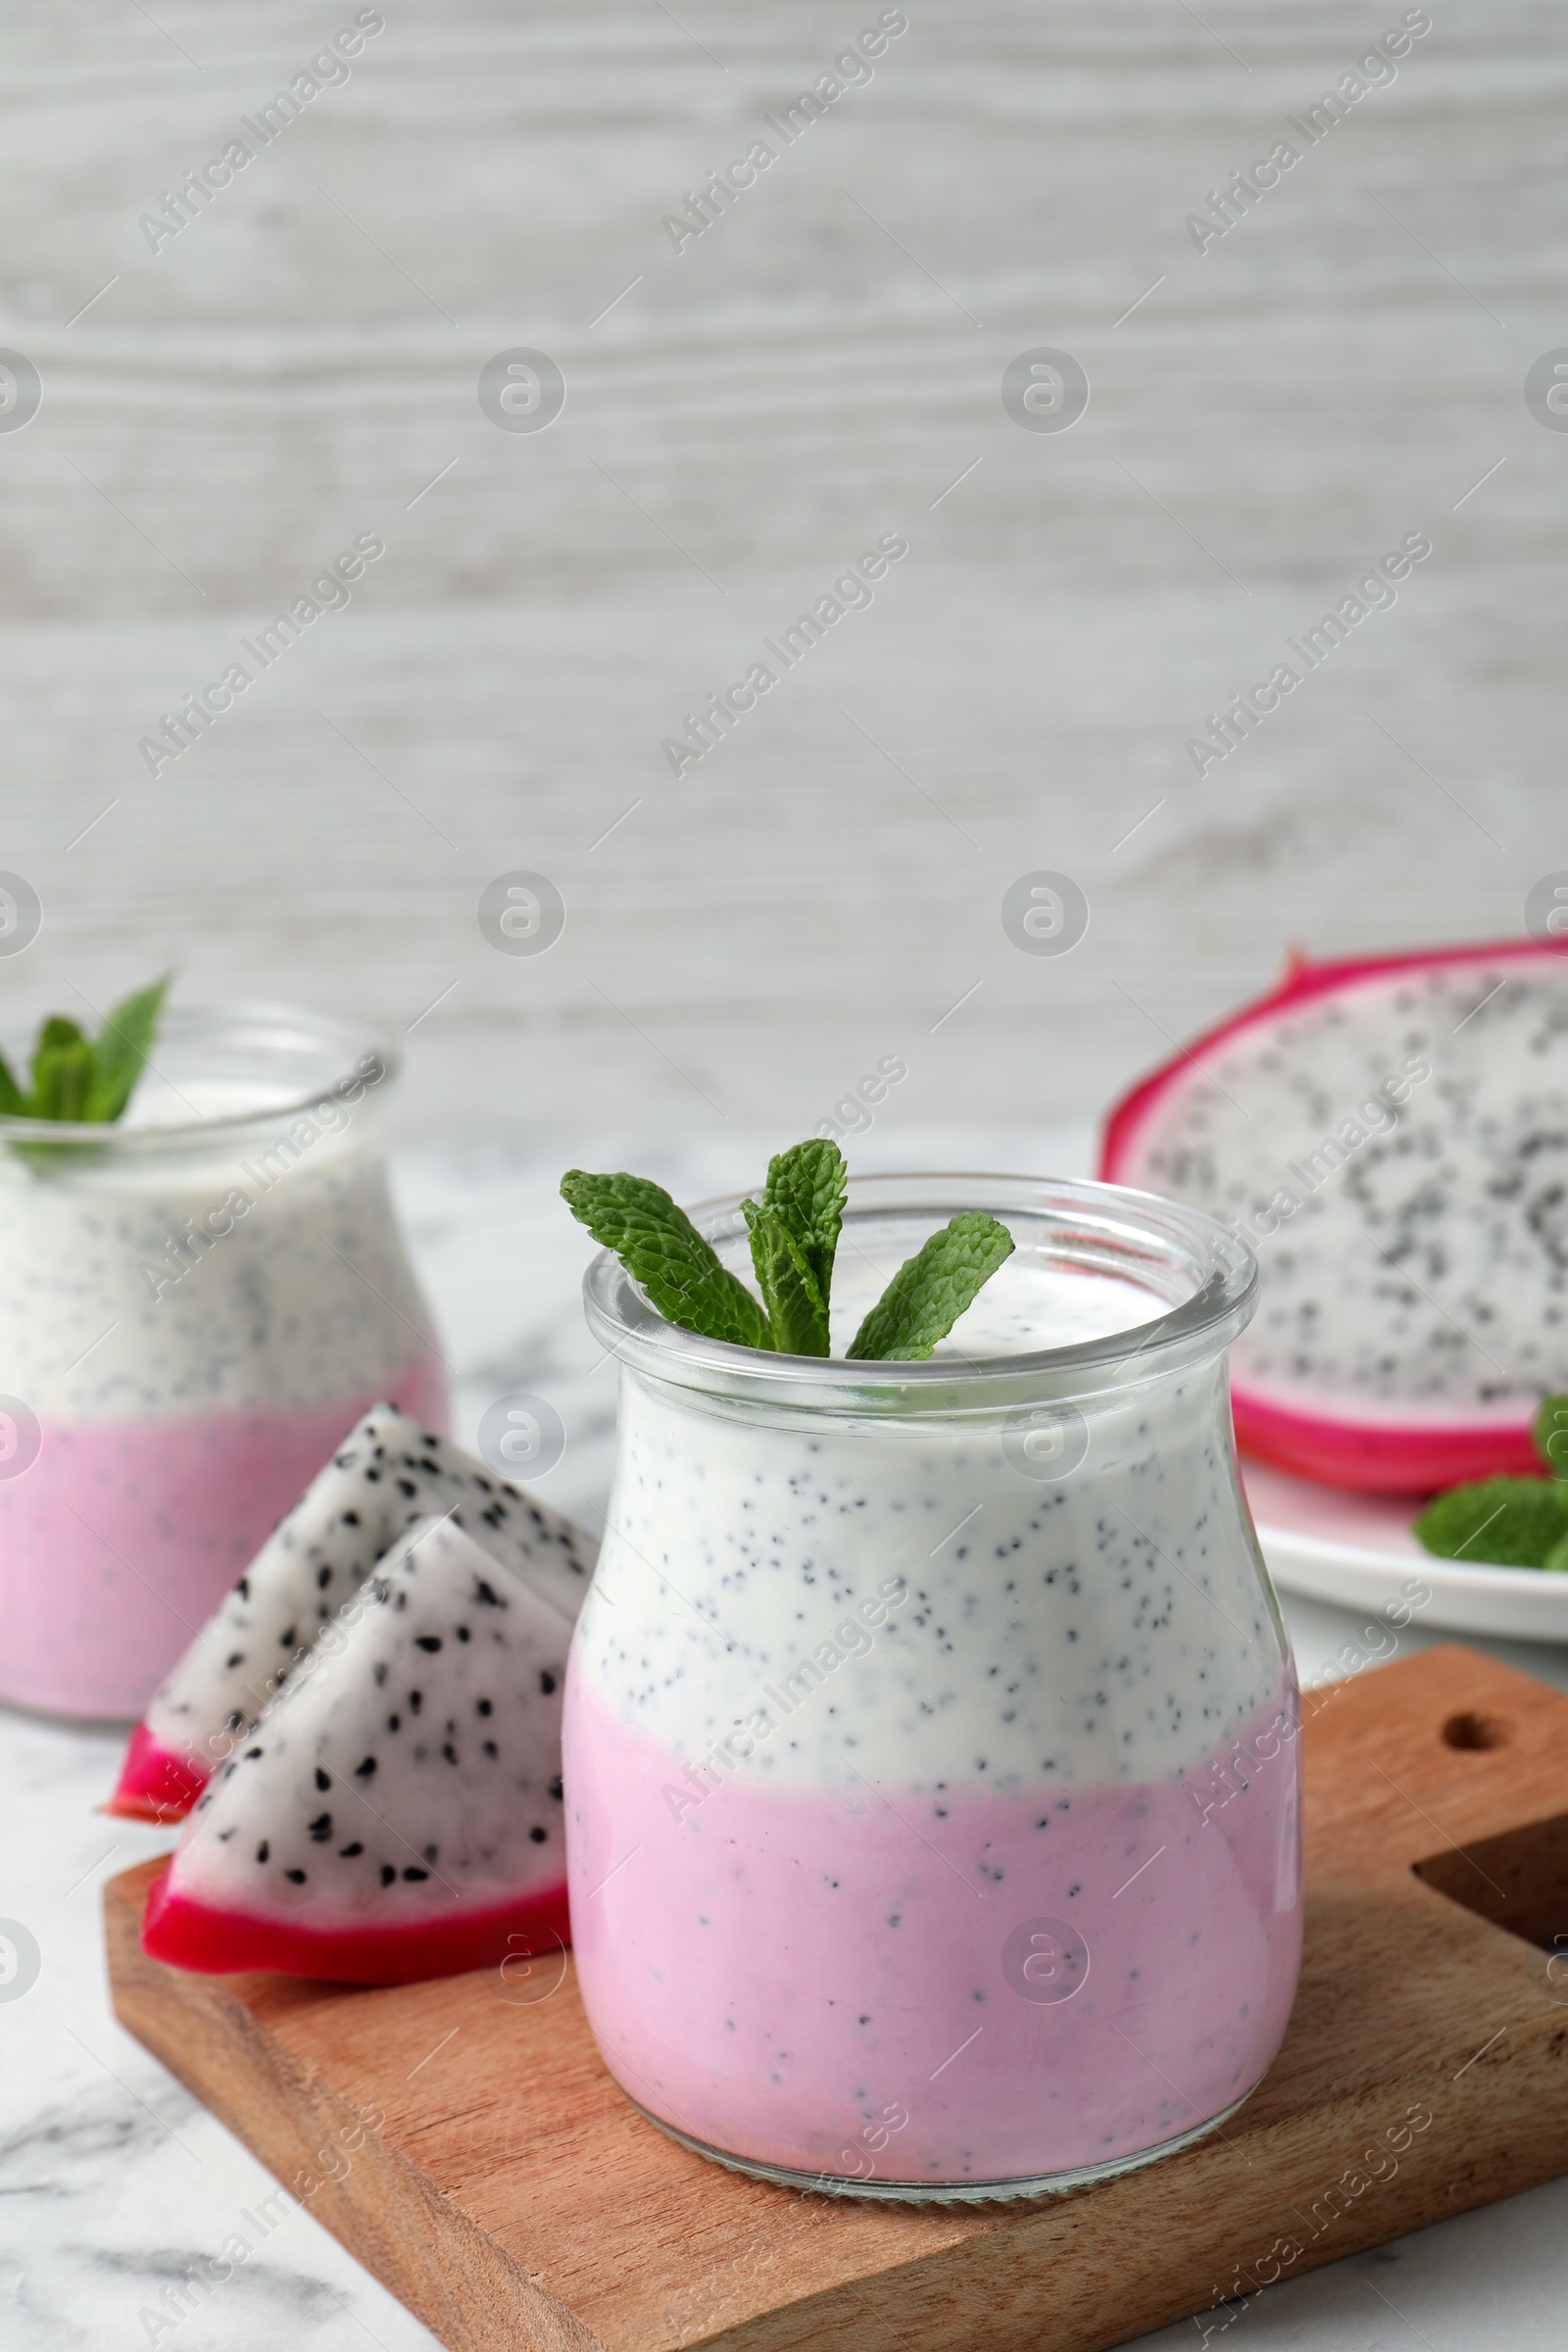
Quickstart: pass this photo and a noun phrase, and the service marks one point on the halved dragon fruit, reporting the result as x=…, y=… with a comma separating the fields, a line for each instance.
x=396, y=1811
x=1391, y=1136
x=388, y=1471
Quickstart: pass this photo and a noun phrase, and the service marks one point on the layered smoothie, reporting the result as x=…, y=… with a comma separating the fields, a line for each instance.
x=932, y=1790
x=193, y=1309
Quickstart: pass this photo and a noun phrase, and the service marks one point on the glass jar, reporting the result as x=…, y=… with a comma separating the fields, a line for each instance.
x=195, y=1304
x=931, y=1770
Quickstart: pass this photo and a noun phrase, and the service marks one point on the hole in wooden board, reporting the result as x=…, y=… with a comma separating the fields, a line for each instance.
x=1518, y=1880
x=1467, y=1730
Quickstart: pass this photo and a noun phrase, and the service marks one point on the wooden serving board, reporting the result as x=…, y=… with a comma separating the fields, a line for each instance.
x=462, y=2140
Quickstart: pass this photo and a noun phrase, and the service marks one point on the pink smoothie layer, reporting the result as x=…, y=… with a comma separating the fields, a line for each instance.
x=124, y=1536
x=833, y=1984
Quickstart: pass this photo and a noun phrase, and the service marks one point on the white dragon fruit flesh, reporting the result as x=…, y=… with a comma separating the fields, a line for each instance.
x=396, y=1811
x=388, y=1471
x=1392, y=1137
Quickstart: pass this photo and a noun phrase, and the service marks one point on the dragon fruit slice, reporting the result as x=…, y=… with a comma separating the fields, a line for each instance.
x=1391, y=1136
x=388, y=1471
x=396, y=1811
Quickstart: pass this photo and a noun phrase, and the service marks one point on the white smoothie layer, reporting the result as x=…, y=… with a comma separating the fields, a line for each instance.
x=259, y=1269
x=1107, y=1627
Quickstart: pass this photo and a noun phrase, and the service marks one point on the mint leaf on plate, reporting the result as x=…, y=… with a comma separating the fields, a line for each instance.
x=1505, y=1522
x=804, y=1190
x=796, y=1307
x=931, y=1290
x=119, y=1054
x=1552, y=1434
x=661, y=1249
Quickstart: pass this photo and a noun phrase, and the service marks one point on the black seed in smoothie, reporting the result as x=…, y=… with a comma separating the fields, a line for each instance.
x=431, y=1642
x=388, y=1874
x=323, y=1780
x=347, y=1854
x=295, y=1876
x=414, y=1871
x=539, y=1835
x=322, y=1827
x=263, y=1850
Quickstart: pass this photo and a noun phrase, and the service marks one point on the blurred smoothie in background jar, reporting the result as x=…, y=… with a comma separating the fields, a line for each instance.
x=196, y=1302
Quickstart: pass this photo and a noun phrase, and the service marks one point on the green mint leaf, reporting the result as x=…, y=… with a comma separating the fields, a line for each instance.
x=931, y=1290
x=56, y=1034
x=661, y=1249
x=1507, y=1522
x=804, y=1190
x=62, y=1074
x=122, y=1049
x=1552, y=1434
x=13, y=1101
x=794, y=1304
x=1557, y=1557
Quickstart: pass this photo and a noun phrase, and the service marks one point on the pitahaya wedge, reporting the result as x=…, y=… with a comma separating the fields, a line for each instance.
x=388, y=1471
x=396, y=1811
x=1392, y=1135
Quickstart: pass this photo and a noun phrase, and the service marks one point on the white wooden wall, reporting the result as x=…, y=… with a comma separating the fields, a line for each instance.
x=302, y=359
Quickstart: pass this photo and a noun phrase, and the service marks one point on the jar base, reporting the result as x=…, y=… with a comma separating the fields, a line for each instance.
x=944, y=2192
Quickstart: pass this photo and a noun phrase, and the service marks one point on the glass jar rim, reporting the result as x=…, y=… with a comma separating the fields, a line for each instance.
x=1111, y=1229
x=351, y=1054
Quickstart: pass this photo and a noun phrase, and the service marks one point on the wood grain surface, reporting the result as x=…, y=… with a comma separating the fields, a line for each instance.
x=300, y=364
x=465, y=2141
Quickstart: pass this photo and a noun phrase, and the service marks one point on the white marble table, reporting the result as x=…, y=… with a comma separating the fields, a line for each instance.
x=300, y=364
x=113, y=2180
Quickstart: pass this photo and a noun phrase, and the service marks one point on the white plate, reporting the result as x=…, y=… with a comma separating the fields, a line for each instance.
x=1358, y=1551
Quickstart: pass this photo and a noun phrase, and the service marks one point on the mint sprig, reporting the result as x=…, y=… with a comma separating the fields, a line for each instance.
x=75, y=1078
x=931, y=1290
x=1508, y=1522
x=793, y=1235
x=662, y=1249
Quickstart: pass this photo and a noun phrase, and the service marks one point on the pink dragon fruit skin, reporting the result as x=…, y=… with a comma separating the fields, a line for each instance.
x=388, y=1471
x=396, y=1811
x=1412, y=1230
